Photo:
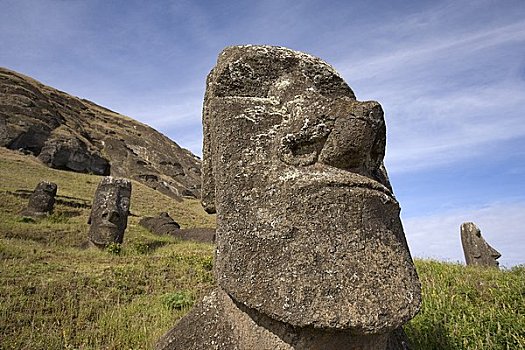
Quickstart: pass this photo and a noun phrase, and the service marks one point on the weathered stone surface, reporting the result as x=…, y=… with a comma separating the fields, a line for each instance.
x=477, y=250
x=310, y=245
x=72, y=154
x=198, y=234
x=68, y=133
x=42, y=200
x=165, y=225
x=218, y=322
x=160, y=225
x=308, y=230
x=109, y=212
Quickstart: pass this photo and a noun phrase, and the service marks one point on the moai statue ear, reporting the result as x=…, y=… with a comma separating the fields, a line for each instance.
x=208, y=161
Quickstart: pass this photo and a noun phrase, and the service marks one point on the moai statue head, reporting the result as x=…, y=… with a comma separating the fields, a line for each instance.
x=109, y=212
x=160, y=225
x=308, y=229
x=42, y=200
x=477, y=250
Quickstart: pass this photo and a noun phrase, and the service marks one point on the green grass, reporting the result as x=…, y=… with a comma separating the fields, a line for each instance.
x=469, y=308
x=56, y=294
x=56, y=297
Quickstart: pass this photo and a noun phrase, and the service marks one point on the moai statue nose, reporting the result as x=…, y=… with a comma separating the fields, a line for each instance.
x=357, y=140
x=111, y=216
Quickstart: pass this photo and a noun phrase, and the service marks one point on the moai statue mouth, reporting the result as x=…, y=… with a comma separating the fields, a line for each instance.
x=308, y=229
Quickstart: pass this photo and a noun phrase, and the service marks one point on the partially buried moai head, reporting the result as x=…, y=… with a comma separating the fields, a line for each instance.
x=308, y=229
x=109, y=212
x=477, y=250
x=42, y=200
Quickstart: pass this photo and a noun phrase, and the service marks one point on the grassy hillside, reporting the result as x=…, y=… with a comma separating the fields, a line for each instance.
x=55, y=294
x=469, y=308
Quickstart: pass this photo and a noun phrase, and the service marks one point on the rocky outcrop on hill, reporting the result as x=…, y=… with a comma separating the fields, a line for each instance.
x=69, y=133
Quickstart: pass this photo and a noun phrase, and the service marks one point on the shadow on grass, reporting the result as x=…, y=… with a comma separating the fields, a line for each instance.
x=433, y=336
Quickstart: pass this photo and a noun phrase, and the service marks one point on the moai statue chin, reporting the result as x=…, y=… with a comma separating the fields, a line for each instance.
x=42, y=200
x=477, y=251
x=109, y=212
x=308, y=229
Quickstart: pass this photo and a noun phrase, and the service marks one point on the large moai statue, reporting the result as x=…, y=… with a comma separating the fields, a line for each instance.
x=42, y=200
x=311, y=253
x=477, y=251
x=109, y=212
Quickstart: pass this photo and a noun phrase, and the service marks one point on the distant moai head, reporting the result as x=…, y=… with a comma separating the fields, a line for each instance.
x=308, y=229
x=42, y=200
x=160, y=225
x=477, y=250
x=109, y=212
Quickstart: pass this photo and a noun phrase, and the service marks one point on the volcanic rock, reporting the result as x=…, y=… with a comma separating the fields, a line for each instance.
x=109, y=212
x=309, y=237
x=69, y=133
x=42, y=200
x=160, y=225
x=477, y=251
x=165, y=225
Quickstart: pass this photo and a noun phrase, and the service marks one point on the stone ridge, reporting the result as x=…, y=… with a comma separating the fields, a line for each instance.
x=252, y=77
x=69, y=133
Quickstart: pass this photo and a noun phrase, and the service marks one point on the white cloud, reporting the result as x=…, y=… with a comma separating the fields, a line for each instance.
x=430, y=50
x=438, y=236
x=448, y=94
x=30, y=34
x=416, y=59
x=432, y=131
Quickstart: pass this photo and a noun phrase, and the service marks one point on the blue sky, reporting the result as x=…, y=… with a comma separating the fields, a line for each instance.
x=449, y=74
